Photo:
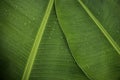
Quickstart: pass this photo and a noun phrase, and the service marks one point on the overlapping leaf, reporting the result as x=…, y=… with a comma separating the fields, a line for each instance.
x=20, y=22
x=33, y=46
x=93, y=35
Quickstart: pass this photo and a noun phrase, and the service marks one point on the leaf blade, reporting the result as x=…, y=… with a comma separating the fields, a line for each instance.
x=38, y=38
x=100, y=26
x=53, y=60
x=90, y=48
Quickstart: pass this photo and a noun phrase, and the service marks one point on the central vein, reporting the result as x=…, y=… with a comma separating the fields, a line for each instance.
x=106, y=34
x=37, y=41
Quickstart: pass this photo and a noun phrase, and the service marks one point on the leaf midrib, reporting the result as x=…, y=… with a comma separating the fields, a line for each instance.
x=100, y=26
x=36, y=43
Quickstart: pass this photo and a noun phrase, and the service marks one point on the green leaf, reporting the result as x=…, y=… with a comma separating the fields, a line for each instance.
x=92, y=31
x=32, y=45
x=36, y=43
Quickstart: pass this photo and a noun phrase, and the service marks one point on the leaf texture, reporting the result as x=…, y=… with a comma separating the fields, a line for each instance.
x=36, y=43
x=90, y=46
x=19, y=25
x=19, y=22
x=68, y=40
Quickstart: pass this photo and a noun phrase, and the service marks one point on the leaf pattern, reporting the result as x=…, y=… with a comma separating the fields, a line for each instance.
x=59, y=40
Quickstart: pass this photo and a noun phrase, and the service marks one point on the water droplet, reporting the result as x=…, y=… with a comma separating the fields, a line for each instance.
x=87, y=66
x=48, y=26
x=16, y=6
x=6, y=10
x=51, y=34
x=55, y=23
x=53, y=29
x=87, y=42
x=118, y=31
x=49, y=37
x=33, y=18
x=61, y=48
x=98, y=12
x=29, y=21
x=25, y=23
x=61, y=37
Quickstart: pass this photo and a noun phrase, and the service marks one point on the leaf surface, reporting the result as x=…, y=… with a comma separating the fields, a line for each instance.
x=29, y=50
x=92, y=32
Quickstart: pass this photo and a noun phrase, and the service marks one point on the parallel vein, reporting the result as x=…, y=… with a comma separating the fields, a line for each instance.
x=37, y=41
x=100, y=26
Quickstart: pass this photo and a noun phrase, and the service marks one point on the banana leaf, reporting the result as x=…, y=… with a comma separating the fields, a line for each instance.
x=92, y=30
x=32, y=44
x=59, y=40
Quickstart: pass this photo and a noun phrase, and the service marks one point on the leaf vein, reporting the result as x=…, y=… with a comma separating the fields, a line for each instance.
x=100, y=26
x=36, y=43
